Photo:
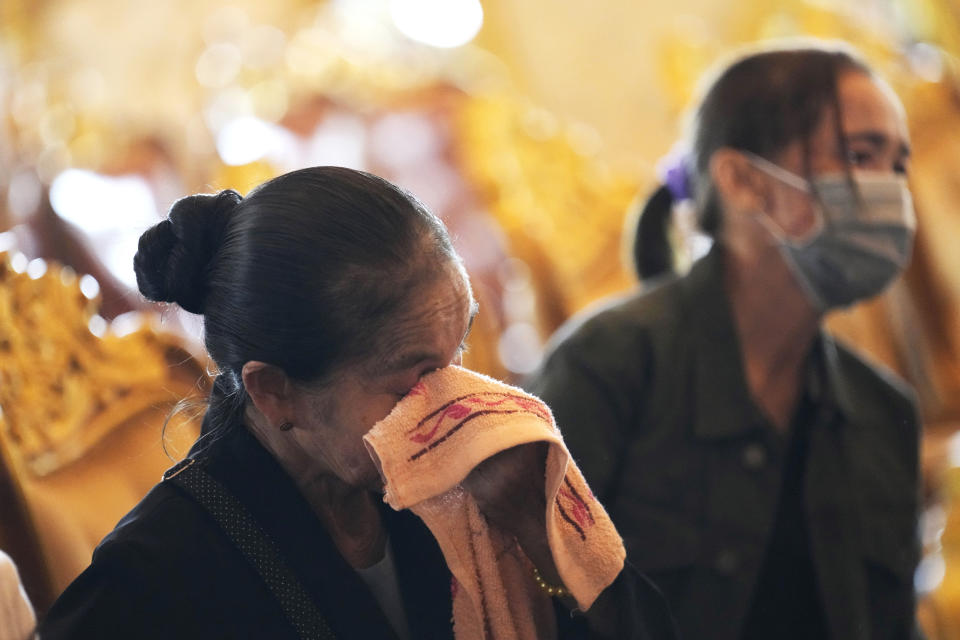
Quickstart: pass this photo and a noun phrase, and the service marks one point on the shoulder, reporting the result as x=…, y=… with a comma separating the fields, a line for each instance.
x=165, y=522
x=159, y=543
x=162, y=565
x=620, y=324
x=881, y=394
x=614, y=347
x=130, y=572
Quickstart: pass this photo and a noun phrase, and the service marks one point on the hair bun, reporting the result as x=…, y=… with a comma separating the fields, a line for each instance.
x=173, y=256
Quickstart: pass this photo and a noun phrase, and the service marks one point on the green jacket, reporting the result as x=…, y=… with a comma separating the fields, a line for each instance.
x=651, y=396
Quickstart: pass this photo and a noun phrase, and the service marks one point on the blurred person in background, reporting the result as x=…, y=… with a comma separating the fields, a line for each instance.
x=765, y=476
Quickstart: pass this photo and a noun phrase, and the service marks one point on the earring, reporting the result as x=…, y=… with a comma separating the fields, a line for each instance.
x=286, y=426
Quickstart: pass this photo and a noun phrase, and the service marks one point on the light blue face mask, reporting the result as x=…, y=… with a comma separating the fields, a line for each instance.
x=862, y=239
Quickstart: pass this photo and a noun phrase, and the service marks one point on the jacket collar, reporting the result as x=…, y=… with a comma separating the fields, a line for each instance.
x=836, y=389
x=724, y=407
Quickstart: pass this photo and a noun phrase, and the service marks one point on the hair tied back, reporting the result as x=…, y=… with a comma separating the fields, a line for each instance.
x=174, y=256
x=674, y=171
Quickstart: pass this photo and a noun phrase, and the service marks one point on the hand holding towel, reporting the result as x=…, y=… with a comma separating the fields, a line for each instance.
x=451, y=422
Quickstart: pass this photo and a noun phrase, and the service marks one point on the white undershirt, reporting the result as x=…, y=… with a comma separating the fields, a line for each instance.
x=381, y=579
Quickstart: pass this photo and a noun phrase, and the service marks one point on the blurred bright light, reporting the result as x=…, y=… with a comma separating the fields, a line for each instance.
x=520, y=348
x=929, y=573
x=98, y=203
x=19, y=262
x=953, y=450
x=117, y=256
x=7, y=241
x=246, y=139
x=97, y=326
x=112, y=211
x=438, y=23
x=126, y=323
x=89, y=287
x=926, y=61
x=36, y=268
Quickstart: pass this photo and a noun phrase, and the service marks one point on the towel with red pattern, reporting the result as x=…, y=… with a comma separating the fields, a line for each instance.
x=450, y=422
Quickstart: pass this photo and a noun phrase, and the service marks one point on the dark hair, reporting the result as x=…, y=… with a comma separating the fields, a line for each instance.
x=761, y=103
x=305, y=273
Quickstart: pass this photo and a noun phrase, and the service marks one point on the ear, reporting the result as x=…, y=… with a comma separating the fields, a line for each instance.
x=270, y=390
x=738, y=183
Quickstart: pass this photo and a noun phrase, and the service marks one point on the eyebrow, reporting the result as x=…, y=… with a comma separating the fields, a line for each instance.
x=409, y=359
x=877, y=139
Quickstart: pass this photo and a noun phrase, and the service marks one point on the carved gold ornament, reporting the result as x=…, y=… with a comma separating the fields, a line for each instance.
x=63, y=387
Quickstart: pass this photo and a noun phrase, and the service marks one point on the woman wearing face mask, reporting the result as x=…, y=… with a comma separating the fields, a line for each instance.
x=763, y=475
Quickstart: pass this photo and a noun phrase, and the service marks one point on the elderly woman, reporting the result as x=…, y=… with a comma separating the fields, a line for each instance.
x=327, y=294
x=764, y=476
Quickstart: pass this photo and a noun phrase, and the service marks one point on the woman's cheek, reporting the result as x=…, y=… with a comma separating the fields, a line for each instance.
x=380, y=409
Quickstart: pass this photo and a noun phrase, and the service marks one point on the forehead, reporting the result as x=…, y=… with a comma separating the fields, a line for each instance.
x=870, y=105
x=447, y=298
x=434, y=320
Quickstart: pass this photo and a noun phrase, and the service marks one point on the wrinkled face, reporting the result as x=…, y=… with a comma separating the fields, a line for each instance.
x=429, y=335
x=875, y=131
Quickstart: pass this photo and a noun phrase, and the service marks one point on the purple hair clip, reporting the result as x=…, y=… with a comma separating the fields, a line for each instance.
x=673, y=170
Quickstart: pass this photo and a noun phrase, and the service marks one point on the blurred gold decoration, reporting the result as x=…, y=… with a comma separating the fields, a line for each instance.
x=242, y=178
x=562, y=208
x=684, y=53
x=63, y=388
x=936, y=21
x=82, y=406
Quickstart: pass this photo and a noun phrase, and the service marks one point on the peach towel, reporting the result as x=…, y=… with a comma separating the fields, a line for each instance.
x=450, y=422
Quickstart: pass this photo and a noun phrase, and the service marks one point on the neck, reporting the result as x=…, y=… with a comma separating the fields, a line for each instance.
x=351, y=517
x=349, y=514
x=776, y=326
